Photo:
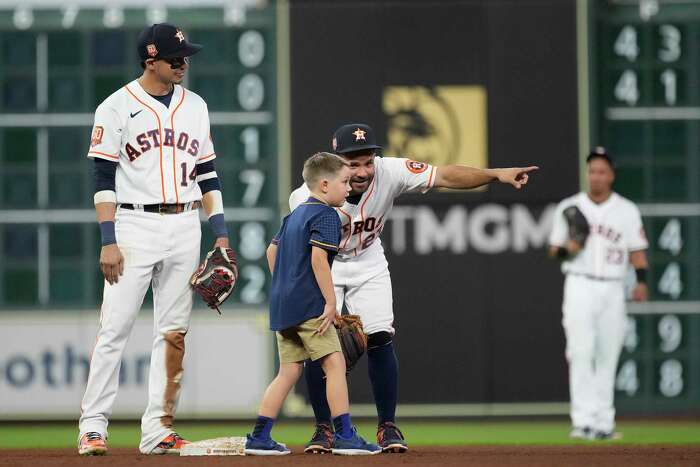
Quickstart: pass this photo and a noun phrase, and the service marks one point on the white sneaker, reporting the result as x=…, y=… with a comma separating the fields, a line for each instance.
x=582, y=433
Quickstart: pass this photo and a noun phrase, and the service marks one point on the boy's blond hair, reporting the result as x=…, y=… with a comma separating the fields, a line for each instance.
x=322, y=165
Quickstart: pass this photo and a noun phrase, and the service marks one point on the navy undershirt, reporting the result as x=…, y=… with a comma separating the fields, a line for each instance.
x=165, y=100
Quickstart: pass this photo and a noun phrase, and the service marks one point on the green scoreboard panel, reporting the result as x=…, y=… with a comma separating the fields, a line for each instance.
x=645, y=101
x=56, y=66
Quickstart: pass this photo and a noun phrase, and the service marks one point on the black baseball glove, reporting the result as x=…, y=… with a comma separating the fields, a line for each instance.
x=353, y=339
x=578, y=225
x=216, y=277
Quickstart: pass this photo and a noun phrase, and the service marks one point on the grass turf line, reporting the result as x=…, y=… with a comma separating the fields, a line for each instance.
x=417, y=433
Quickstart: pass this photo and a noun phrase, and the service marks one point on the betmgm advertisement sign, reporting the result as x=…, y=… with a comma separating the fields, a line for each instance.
x=441, y=125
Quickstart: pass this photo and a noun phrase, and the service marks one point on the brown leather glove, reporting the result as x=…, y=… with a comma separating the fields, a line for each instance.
x=353, y=339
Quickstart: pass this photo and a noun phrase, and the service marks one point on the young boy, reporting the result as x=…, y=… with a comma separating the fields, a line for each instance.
x=303, y=306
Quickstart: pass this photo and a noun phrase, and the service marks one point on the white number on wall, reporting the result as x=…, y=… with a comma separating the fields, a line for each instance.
x=250, y=137
x=668, y=79
x=631, y=337
x=254, y=180
x=253, y=244
x=670, y=282
x=627, y=380
x=671, y=238
x=251, y=49
x=670, y=50
x=251, y=92
x=626, y=88
x=252, y=291
x=113, y=17
x=670, y=332
x=671, y=378
x=626, y=44
x=23, y=17
x=70, y=12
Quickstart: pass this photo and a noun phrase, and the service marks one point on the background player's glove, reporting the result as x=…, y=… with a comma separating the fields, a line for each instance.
x=353, y=339
x=216, y=277
x=578, y=225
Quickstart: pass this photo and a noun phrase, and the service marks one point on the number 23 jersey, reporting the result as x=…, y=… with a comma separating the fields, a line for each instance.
x=157, y=147
x=363, y=222
x=616, y=229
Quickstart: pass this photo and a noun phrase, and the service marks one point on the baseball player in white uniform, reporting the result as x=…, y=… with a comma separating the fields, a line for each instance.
x=594, y=296
x=360, y=271
x=154, y=167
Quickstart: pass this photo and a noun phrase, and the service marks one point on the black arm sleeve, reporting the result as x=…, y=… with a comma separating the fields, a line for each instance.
x=105, y=172
x=210, y=183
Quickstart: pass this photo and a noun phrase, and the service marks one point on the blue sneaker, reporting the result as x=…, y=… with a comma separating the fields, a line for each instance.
x=264, y=447
x=353, y=446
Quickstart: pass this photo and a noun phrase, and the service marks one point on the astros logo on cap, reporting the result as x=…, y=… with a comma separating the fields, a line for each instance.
x=359, y=134
x=180, y=35
x=335, y=144
x=151, y=50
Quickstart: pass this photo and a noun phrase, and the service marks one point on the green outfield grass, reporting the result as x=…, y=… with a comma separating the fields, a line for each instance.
x=417, y=433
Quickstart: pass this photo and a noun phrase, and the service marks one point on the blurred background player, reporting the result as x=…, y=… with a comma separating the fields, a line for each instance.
x=594, y=293
x=361, y=273
x=154, y=167
x=303, y=307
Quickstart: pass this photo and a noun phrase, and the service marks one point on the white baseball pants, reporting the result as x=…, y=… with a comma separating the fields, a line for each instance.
x=594, y=324
x=363, y=283
x=161, y=251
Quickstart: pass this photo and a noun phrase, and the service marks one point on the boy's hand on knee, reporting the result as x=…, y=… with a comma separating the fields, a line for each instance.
x=327, y=318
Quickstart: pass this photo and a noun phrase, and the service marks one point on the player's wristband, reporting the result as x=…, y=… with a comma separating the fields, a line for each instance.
x=641, y=275
x=562, y=253
x=218, y=225
x=107, y=231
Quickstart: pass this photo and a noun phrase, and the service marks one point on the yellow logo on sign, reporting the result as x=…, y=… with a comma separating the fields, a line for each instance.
x=438, y=124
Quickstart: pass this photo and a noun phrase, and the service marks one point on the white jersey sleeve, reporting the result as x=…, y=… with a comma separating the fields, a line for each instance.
x=298, y=196
x=106, y=140
x=408, y=175
x=206, y=152
x=635, y=239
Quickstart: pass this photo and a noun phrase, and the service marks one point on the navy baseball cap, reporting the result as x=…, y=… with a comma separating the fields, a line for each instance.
x=164, y=40
x=600, y=153
x=353, y=137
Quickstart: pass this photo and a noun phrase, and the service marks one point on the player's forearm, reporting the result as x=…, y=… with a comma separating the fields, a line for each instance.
x=214, y=208
x=211, y=202
x=322, y=273
x=639, y=259
x=271, y=254
x=463, y=177
x=105, y=211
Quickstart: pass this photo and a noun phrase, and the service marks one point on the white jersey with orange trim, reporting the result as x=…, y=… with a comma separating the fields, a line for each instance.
x=360, y=271
x=363, y=222
x=157, y=147
x=616, y=229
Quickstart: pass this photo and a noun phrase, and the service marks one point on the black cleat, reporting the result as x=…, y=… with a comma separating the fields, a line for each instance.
x=390, y=438
x=322, y=440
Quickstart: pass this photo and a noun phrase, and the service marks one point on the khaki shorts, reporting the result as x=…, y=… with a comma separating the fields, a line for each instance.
x=302, y=342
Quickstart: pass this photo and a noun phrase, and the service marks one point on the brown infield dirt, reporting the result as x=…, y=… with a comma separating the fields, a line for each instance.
x=628, y=456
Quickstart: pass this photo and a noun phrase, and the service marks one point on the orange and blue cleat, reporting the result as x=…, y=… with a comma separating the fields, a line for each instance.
x=92, y=444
